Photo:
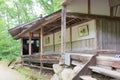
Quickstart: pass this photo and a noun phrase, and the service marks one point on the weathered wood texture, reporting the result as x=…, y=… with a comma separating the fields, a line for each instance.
x=85, y=70
x=52, y=58
x=100, y=60
x=108, y=34
x=63, y=29
x=87, y=42
x=30, y=44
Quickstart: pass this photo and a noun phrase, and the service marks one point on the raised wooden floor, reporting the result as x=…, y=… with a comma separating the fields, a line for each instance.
x=51, y=59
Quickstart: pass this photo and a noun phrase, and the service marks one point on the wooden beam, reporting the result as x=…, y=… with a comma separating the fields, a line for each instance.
x=107, y=72
x=63, y=30
x=86, y=16
x=100, y=60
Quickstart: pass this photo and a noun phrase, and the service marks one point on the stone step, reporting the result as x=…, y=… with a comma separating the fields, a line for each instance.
x=87, y=77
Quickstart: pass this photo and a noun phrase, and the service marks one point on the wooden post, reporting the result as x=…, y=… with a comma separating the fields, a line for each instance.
x=71, y=37
x=21, y=47
x=111, y=11
x=89, y=6
x=30, y=44
x=63, y=30
x=30, y=47
x=54, y=42
x=22, y=51
x=41, y=48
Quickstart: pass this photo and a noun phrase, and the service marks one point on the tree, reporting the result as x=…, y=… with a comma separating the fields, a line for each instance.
x=16, y=12
x=49, y=6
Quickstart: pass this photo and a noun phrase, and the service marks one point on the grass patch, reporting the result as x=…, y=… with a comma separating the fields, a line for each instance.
x=32, y=74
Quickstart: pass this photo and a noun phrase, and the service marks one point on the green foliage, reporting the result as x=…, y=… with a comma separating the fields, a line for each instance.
x=49, y=6
x=16, y=12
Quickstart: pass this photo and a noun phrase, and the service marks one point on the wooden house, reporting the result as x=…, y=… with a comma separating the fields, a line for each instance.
x=82, y=29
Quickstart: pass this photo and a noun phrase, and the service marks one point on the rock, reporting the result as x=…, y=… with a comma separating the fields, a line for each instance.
x=77, y=68
x=67, y=74
x=55, y=77
x=57, y=68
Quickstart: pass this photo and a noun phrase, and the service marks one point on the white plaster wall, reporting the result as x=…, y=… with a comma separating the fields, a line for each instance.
x=57, y=34
x=51, y=40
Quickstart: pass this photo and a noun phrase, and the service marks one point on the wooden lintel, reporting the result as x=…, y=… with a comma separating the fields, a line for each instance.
x=90, y=16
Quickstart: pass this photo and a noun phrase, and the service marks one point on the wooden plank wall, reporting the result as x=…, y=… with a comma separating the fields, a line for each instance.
x=84, y=43
x=108, y=34
x=74, y=42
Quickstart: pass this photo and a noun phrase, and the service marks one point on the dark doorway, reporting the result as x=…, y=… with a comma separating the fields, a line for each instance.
x=35, y=46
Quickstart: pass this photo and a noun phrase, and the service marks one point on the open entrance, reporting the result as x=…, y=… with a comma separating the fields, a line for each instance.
x=35, y=46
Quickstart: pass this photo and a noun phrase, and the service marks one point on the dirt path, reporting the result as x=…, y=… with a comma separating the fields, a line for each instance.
x=8, y=74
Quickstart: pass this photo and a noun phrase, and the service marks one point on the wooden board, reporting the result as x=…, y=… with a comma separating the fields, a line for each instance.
x=87, y=77
x=101, y=60
x=106, y=72
x=108, y=34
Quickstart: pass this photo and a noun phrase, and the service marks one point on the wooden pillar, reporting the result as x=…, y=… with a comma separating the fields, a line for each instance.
x=54, y=42
x=22, y=51
x=30, y=47
x=21, y=47
x=89, y=6
x=41, y=48
x=63, y=30
x=41, y=42
x=71, y=37
x=30, y=44
x=111, y=11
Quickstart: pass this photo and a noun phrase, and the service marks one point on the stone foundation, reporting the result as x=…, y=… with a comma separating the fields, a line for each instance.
x=64, y=73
